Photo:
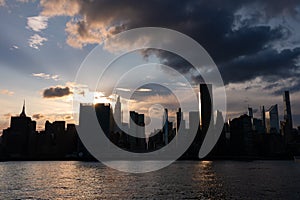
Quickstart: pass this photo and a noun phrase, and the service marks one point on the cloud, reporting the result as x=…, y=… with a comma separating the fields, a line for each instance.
x=269, y=63
x=246, y=39
x=60, y=8
x=25, y=1
x=123, y=89
x=37, y=23
x=14, y=47
x=144, y=90
x=46, y=76
x=79, y=35
x=7, y=92
x=7, y=115
x=58, y=91
x=37, y=116
x=36, y=40
x=2, y=3
x=94, y=20
x=166, y=101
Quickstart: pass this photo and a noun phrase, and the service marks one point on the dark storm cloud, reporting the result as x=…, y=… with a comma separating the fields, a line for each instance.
x=57, y=91
x=268, y=62
x=169, y=59
x=245, y=51
x=292, y=88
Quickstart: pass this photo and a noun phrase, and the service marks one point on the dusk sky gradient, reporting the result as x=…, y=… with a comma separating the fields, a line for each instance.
x=255, y=44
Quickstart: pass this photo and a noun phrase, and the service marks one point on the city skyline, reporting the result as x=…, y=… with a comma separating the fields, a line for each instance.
x=240, y=137
x=256, y=50
x=160, y=99
x=266, y=116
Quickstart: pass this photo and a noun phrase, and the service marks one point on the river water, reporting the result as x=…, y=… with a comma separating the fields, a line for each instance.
x=181, y=180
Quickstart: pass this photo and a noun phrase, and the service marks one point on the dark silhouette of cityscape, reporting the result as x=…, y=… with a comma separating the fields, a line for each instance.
x=244, y=137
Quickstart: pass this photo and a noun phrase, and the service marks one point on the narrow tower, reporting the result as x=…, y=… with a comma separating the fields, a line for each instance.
x=287, y=110
x=263, y=113
x=179, y=118
x=23, y=111
x=206, y=99
x=118, y=112
x=165, y=127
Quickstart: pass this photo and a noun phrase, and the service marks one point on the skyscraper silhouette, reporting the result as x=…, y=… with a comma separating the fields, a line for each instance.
x=179, y=116
x=118, y=112
x=263, y=113
x=287, y=110
x=137, y=139
x=250, y=112
x=105, y=119
x=20, y=135
x=165, y=127
x=272, y=119
x=23, y=111
x=206, y=100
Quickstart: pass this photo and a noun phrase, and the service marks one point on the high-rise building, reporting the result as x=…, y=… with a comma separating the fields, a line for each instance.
x=166, y=127
x=19, y=138
x=194, y=120
x=250, y=112
x=219, y=118
x=180, y=122
x=105, y=118
x=137, y=140
x=241, y=135
x=272, y=119
x=287, y=110
x=206, y=100
x=103, y=113
x=179, y=117
x=263, y=118
x=118, y=112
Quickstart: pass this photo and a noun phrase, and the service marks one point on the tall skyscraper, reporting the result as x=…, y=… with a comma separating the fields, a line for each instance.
x=21, y=123
x=219, y=118
x=272, y=119
x=19, y=137
x=194, y=120
x=250, y=112
x=179, y=120
x=206, y=100
x=118, y=112
x=166, y=127
x=287, y=110
x=104, y=116
x=137, y=139
x=263, y=118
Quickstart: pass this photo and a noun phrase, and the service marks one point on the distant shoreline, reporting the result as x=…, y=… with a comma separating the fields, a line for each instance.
x=244, y=158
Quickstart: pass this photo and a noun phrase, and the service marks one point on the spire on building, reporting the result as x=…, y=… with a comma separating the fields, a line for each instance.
x=23, y=111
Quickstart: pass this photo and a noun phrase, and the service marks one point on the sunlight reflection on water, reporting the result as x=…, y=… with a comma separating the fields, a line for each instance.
x=184, y=179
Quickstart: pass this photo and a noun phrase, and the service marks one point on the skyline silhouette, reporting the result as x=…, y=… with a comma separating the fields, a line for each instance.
x=244, y=136
x=254, y=58
x=118, y=99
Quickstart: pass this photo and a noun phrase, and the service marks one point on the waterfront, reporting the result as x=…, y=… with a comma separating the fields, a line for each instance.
x=181, y=180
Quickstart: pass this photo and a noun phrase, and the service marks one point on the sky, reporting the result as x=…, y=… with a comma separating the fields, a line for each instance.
x=255, y=45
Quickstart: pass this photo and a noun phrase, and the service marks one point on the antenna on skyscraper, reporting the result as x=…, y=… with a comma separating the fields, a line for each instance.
x=23, y=110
